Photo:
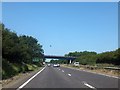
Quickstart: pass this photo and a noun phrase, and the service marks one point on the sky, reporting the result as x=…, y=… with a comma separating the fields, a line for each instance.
x=65, y=27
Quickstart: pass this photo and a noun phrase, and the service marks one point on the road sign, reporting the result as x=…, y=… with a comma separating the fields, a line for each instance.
x=36, y=59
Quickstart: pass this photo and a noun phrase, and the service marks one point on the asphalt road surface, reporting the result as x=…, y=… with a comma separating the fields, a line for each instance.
x=61, y=77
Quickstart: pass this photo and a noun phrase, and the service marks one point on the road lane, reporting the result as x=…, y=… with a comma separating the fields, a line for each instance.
x=54, y=78
x=30, y=79
x=96, y=80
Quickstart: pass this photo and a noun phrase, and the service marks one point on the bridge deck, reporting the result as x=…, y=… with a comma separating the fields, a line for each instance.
x=60, y=57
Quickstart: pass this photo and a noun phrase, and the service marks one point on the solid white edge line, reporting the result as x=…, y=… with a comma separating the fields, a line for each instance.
x=30, y=79
x=93, y=72
x=88, y=85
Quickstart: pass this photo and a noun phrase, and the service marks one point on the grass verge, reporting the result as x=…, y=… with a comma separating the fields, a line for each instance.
x=96, y=69
x=11, y=69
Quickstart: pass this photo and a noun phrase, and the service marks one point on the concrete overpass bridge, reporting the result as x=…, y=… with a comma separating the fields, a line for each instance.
x=70, y=58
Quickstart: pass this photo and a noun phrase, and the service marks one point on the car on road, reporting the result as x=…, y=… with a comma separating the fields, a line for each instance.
x=76, y=64
x=48, y=65
x=56, y=65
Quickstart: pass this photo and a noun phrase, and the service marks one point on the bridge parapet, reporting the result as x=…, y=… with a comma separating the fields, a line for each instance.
x=60, y=57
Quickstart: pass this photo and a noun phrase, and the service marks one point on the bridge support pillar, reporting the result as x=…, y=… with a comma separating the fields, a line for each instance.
x=70, y=62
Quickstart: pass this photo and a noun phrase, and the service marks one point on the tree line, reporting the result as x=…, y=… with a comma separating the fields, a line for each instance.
x=19, y=49
x=93, y=58
x=18, y=53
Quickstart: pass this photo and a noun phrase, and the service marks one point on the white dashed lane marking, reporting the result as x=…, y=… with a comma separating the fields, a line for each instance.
x=88, y=85
x=94, y=72
x=62, y=70
x=69, y=74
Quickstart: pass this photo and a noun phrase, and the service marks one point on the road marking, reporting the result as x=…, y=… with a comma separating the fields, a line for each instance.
x=100, y=74
x=62, y=70
x=88, y=85
x=59, y=69
x=94, y=72
x=30, y=79
x=69, y=74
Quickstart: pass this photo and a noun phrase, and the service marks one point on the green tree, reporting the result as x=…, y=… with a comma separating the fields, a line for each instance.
x=19, y=49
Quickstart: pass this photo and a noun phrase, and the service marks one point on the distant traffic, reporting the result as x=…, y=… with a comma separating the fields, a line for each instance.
x=53, y=65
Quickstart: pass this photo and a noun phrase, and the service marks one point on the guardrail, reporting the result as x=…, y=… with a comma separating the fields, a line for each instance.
x=96, y=67
x=112, y=68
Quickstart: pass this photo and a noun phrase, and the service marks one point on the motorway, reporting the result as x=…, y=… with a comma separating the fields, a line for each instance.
x=61, y=77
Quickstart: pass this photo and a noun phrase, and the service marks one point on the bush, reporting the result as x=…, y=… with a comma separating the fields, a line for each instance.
x=7, y=69
x=12, y=69
x=87, y=60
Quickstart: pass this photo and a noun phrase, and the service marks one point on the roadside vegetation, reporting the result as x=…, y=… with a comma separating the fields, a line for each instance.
x=18, y=53
x=106, y=62
x=111, y=58
x=92, y=58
